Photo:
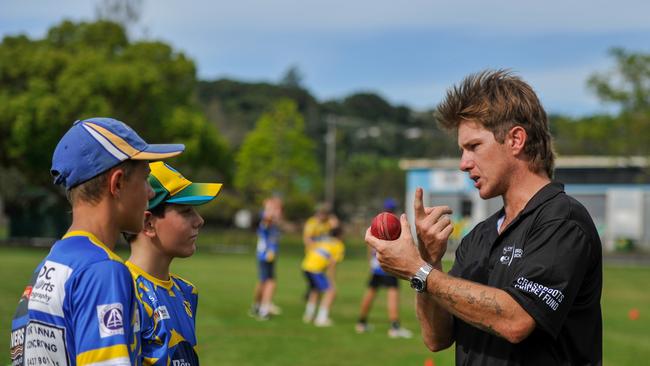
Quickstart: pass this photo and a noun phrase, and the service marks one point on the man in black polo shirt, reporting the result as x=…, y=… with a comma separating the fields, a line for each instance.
x=526, y=284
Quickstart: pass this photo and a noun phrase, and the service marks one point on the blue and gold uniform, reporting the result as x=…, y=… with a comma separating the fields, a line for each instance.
x=317, y=261
x=79, y=308
x=168, y=307
x=168, y=317
x=267, y=249
x=317, y=229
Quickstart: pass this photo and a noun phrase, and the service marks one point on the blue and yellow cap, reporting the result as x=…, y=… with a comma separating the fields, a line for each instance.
x=172, y=187
x=93, y=146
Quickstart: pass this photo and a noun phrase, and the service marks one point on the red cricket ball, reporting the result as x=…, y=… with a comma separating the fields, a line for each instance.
x=386, y=226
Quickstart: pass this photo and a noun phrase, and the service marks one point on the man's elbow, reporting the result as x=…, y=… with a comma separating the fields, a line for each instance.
x=438, y=345
x=519, y=330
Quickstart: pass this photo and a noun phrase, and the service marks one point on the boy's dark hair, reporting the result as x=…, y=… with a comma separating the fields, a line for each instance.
x=500, y=101
x=92, y=190
x=158, y=211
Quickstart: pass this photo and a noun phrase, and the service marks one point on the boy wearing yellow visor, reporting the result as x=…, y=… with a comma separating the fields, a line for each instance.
x=167, y=302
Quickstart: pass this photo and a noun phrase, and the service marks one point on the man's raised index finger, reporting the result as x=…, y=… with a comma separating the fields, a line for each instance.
x=418, y=205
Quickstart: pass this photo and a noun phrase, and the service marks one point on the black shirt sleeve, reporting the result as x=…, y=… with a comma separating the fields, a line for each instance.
x=549, y=275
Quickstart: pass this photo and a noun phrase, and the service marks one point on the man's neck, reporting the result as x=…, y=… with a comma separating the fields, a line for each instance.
x=147, y=255
x=97, y=220
x=522, y=188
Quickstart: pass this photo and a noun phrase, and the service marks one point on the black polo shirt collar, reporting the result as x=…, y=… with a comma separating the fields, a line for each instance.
x=545, y=194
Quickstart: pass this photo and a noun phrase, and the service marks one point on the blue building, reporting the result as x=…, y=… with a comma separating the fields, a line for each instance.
x=615, y=191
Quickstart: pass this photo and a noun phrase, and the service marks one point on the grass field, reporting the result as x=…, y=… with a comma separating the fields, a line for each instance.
x=227, y=336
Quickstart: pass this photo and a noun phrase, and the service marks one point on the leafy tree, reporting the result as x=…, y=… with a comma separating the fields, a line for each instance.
x=292, y=78
x=592, y=135
x=628, y=85
x=82, y=70
x=235, y=106
x=369, y=106
x=124, y=12
x=364, y=181
x=278, y=158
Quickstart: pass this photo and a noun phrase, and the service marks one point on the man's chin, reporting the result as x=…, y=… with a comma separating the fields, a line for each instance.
x=486, y=194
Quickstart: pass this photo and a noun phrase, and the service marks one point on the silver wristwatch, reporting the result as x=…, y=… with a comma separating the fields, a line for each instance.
x=419, y=281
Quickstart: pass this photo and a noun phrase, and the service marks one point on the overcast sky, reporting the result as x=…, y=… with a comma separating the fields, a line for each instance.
x=407, y=51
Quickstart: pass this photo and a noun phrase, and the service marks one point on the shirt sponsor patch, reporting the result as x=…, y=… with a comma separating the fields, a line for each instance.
x=550, y=296
x=162, y=312
x=510, y=253
x=111, y=319
x=17, y=345
x=44, y=344
x=48, y=292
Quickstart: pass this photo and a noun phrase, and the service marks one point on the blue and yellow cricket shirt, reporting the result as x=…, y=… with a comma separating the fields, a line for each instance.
x=168, y=317
x=316, y=229
x=78, y=309
x=267, y=242
x=318, y=259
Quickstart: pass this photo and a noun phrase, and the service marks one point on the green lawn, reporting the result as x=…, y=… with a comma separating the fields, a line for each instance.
x=227, y=336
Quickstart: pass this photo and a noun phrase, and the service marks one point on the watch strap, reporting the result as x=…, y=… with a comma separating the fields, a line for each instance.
x=422, y=275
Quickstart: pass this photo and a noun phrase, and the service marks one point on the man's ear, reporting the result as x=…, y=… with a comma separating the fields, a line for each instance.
x=149, y=227
x=115, y=182
x=516, y=140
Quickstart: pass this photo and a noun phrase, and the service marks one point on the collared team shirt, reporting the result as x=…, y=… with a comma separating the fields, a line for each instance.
x=78, y=309
x=317, y=230
x=168, y=318
x=317, y=259
x=267, y=242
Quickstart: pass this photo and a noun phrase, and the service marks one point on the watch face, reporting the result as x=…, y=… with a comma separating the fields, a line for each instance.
x=417, y=284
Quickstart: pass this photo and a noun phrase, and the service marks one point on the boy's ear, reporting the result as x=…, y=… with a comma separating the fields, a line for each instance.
x=115, y=182
x=149, y=227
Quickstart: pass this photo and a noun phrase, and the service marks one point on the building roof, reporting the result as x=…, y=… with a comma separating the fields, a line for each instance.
x=583, y=161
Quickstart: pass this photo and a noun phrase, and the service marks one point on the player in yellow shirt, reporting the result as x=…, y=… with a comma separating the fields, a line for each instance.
x=318, y=227
x=319, y=267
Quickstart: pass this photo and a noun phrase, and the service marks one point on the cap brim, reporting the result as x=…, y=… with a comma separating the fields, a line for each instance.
x=159, y=152
x=196, y=194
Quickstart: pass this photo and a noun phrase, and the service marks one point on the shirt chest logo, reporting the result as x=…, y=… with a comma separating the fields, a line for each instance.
x=510, y=252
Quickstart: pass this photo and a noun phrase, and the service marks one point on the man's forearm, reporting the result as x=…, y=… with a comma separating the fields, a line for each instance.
x=490, y=309
x=435, y=321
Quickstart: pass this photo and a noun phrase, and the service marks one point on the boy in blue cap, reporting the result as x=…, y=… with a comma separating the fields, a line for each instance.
x=167, y=303
x=79, y=307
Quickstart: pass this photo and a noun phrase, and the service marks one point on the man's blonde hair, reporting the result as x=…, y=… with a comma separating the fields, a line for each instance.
x=499, y=101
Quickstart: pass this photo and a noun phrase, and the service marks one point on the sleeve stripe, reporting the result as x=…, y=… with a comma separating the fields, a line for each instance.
x=122, y=361
x=113, y=355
